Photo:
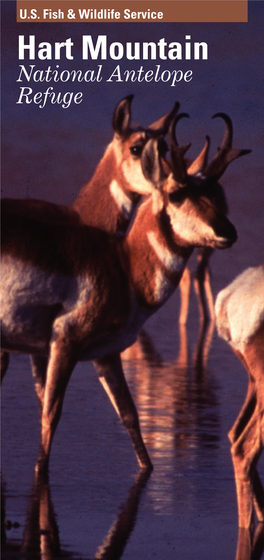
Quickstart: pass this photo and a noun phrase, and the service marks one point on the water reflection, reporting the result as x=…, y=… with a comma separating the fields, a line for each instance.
x=178, y=408
x=41, y=535
x=250, y=545
x=180, y=418
x=177, y=400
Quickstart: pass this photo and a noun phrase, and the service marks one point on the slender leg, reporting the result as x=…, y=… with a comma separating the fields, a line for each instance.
x=209, y=293
x=113, y=380
x=202, y=285
x=253, y=359
x=60, y=366
x=245, y=452
x=4, y=363
x=245, y=413
x=258, y=498
x=202, y=347
x=236, y=431
x=185, y=287
x=39, y=366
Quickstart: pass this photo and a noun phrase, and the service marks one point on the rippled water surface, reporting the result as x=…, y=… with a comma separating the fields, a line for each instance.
x=186, y=407
x=187, y=384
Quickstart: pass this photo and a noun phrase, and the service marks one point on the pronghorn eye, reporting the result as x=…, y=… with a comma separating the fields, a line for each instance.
x=177, y=197
x=136, y=150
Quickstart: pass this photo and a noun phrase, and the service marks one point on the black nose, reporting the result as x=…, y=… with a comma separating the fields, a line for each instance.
x=225, y=232
x=229, y=235
x=232, y=233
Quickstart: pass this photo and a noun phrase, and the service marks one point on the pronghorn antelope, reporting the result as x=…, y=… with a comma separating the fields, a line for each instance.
x=71, y=292
x=198, y=167
x=107, y=201
x=240, y=321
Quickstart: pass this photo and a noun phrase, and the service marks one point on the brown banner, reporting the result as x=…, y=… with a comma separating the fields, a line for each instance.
x=155, y=11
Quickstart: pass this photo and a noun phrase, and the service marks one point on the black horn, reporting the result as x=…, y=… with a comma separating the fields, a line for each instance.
x=161, y=126
x=225, y=153
x=178, y=152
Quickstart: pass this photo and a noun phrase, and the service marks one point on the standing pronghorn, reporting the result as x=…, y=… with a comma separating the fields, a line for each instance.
x=199, y=168
x=107, y=201
x=240, y=321
x=71, y=292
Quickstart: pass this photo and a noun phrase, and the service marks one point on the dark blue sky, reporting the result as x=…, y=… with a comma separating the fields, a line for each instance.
x=43, y=147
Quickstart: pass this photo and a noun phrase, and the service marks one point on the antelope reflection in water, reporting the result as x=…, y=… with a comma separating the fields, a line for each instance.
x=177, y=401
x=178, y=410
x=41, y=535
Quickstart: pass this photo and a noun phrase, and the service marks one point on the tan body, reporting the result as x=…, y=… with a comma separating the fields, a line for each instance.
x=107, y=201
x=71, y=292
x=240, y=321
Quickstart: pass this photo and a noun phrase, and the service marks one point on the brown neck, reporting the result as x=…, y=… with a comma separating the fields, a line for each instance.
x=154, y=262
x=102, y=202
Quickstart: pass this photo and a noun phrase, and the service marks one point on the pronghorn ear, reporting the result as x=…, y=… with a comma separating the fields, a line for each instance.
x=122, y=116
x=151, y=164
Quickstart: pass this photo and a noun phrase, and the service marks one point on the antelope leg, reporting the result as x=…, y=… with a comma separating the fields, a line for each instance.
x=4, y=363
x=112, y=377
x=60, y=366
x=185, y=287
x=245, y=452
x=244, y=414
x=39, y=366
x=202, y=285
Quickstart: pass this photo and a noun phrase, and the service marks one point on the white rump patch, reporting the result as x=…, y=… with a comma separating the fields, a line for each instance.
x=171, y=261
x=123, y=202
x=239, y=308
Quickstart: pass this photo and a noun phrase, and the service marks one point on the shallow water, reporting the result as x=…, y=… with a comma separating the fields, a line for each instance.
x=187, y=385
x=186, y=406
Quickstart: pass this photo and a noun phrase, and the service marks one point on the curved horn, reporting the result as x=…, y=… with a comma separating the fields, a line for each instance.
x=172, y=129
x=161, y=126
x=228, y=136
x=178, y=152
x=122, y=116
x=199, y=164
x=225, y=153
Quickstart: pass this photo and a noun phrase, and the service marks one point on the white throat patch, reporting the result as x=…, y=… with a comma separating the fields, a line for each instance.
x=172, y=262
x=164, y=288
x=123, y=202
